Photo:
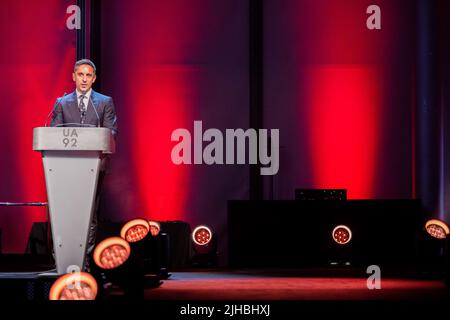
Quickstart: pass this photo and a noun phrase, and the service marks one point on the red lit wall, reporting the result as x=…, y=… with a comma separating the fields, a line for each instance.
x=341, y=96
x=167, y=64
x=36, y=60
x=344, y=124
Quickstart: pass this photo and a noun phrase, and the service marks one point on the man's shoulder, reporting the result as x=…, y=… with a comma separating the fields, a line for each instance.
x=100, y=96
x=68, y=97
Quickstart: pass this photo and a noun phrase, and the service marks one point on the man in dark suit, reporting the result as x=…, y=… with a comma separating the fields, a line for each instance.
x=86, y=108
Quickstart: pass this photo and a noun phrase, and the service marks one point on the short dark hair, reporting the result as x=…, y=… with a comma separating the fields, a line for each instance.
x=85, y=61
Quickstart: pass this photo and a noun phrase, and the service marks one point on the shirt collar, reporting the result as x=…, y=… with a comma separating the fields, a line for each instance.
x=87, y=95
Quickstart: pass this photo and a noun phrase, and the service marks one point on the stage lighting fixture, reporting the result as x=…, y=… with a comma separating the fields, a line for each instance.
x=437, y=228
x=340, y=252
x=146, y=249
x=74, y=286
x=342, y=234
x=155, y=228
x=205, y=247
x=201, y=235
x=119, y=266
x=155, y=251
x=434, y=247
x=136, y=233
x=135, y=230
x=111, y=253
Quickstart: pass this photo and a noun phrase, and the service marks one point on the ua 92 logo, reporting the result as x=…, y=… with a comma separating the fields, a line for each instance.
x=71, y=143
x=70, y=138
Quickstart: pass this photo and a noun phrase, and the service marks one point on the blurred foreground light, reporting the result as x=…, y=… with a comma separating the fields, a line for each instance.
x=342, y=234
x=111, y=253
x=437, y=228
x=201, y=235
x=135, y=230
x=74, y=286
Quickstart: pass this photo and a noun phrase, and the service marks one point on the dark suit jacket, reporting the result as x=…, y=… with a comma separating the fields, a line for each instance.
x=66, y=111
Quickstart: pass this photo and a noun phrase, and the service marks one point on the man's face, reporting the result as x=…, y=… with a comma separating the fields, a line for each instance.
x=83, y=77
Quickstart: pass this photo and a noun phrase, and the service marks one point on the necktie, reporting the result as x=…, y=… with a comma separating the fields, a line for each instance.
x=82, y=108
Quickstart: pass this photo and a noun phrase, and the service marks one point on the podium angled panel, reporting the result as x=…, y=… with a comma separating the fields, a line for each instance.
x=71, y=181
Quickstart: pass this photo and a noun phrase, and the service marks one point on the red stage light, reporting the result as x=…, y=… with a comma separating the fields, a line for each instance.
x=201, y=235
x=74, y=286
x=111, y=253
x=135, y=230
x=342, y=234
x=437, y=228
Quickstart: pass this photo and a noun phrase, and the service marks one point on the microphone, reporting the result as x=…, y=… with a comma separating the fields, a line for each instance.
x=93, y=107
x=58, y=101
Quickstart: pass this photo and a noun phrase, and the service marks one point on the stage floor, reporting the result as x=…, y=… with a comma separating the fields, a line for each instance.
x=314, y=284
x=292, y=285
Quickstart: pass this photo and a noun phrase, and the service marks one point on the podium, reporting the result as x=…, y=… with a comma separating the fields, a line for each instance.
x=71, y=157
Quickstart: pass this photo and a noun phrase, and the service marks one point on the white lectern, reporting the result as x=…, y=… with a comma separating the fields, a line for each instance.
x=71, y=158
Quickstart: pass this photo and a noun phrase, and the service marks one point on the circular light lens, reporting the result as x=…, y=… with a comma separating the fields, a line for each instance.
x=201, y=235
x=437, y=228
x=342, y=234
x=135, y=230
x=111, y=253
x=74, y=286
